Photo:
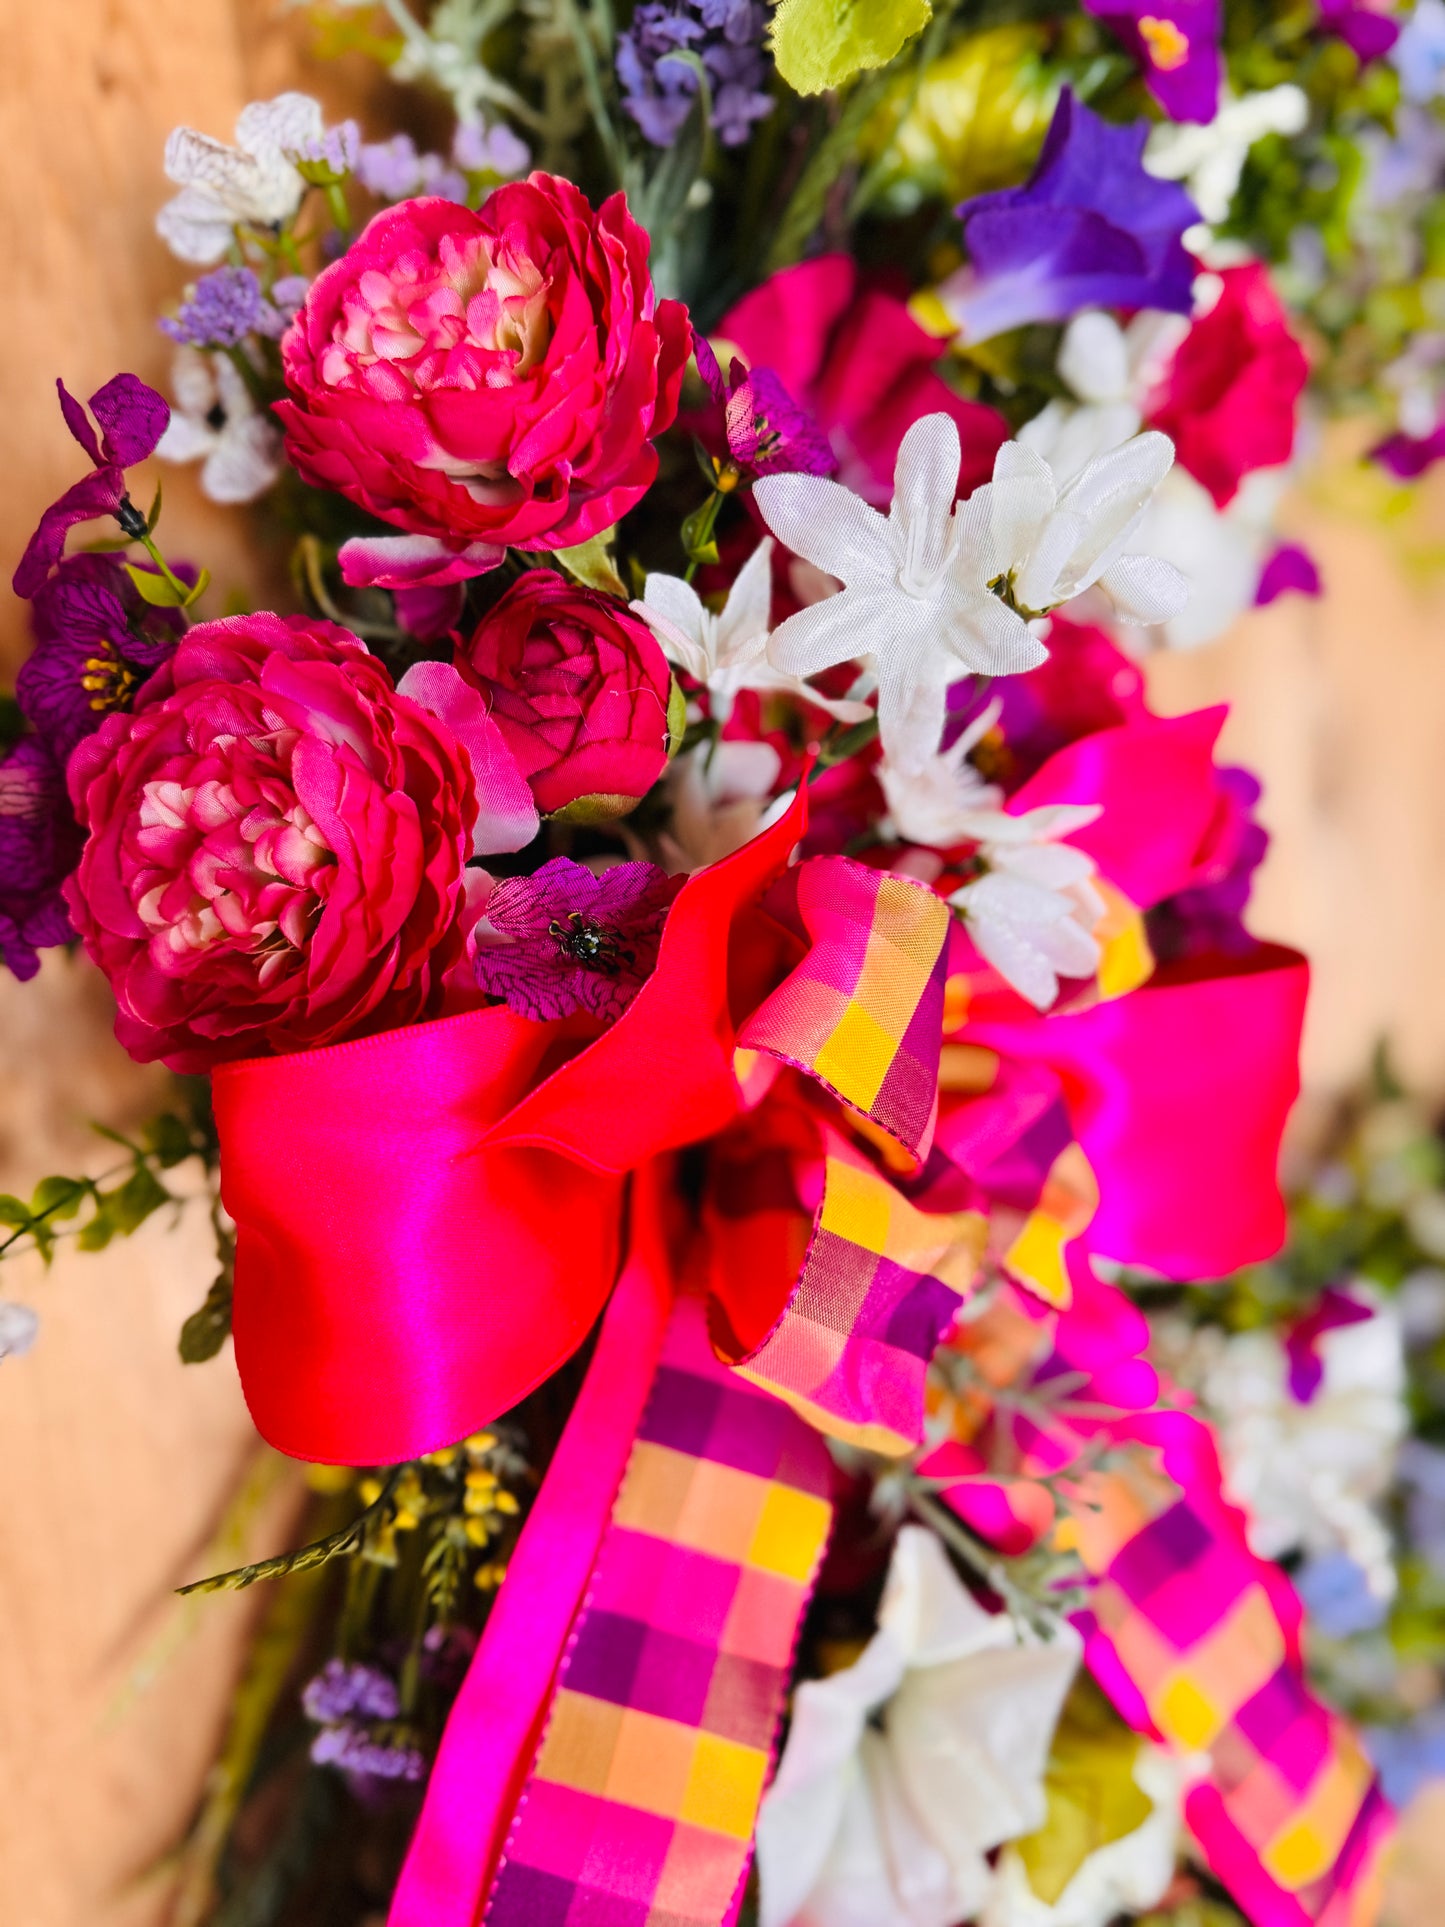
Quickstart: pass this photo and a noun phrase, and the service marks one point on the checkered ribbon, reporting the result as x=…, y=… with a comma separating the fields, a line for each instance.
x=642, y=1801
x=1194, y=1638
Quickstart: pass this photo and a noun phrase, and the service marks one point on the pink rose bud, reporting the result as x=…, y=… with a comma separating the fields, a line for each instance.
x=489, y=378
x=277, y=846
x=580, y=690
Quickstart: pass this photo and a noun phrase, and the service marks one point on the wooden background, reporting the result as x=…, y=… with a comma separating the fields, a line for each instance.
x=118, y=1463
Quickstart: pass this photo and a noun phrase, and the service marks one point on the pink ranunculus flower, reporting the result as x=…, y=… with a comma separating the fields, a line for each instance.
x=490, y=378
x=1230, y=395
x=277, y=846
x=580, y=691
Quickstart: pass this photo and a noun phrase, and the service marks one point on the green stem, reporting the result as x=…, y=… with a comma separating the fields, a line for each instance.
x=592, y=87
x=840, y=745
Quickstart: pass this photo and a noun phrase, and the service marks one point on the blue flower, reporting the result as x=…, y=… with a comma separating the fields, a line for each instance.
x=1089, y=229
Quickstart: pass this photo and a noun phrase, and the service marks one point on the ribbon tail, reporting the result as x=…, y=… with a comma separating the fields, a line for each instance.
x=492, y=1733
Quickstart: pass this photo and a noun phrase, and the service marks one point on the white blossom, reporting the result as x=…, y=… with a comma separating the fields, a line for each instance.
x=728, y=652
x=1220, y=553
x=1050, y=543
x=1126, y=1877
x=932, y=805
x=916, y=602
x=719, y=794
x=216, y=422
x=1209, y=159
x=1033, y=911
x=1310, y=1475
x=904, y=1771
x=254, y=182
x=1111, y=371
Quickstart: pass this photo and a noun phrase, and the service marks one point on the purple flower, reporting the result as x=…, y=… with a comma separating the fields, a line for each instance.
x=330, y=154
x=1089, y=229
x=1408, y=456
x=396, y=170
x=564, y=939
x=96, y=643
x=1367, y=33
x=1337, y=1597
x=1332, y=1310
x=1176, y=42
x=1407, y=1756
x=39, y=847
x=768, y=433
x=1208, y=920
x=659, y=85
x=224, y=308
x=353, y=1751
x=131, y=418
x=341, y=1690
x=478, y=149
x=1289, y=568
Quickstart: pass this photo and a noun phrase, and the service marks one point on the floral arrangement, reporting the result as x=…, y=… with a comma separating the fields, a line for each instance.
x=717, y=1021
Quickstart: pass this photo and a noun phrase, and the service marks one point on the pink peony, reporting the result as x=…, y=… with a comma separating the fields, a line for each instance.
x=487, y=379
x=579, y=690
x=277, y=842
x=1230, y=395
x=855, y=359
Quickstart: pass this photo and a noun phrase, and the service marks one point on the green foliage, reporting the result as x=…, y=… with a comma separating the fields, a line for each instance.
x=591, y=564
x=821, y=44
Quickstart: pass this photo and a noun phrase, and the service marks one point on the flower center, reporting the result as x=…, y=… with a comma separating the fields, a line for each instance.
x=1168, y=47
x=591, y=944
x=108, y=680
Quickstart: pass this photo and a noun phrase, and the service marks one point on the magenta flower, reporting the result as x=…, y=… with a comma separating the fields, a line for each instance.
x=39, y=847
x=132, y=418
x=564, y=939
x=768, y=433
x=1088, y=229
x=96, y=642
x=1176, y=43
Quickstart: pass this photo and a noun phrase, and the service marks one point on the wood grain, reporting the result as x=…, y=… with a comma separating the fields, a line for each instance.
x=118, y=1460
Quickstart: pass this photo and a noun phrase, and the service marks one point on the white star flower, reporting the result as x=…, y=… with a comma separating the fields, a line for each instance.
x=727, y=652
x=253, y=182
x=933, y=805
x=1032, y=913
x=1112, y=371
x=1050, y=543
x=905, y=1770
x=216, y=422
x=915, y=602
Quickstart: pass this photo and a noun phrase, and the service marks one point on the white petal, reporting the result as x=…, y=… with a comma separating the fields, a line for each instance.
x=841, y=629
x=195, y=227
x=186, y=439
x=673, y=610
x=244, y=463
x=829, y=526
x=1022, y=497
x=1050, y=821
x=193, y=381
x=1116, y=484
x=289, y=122
x=987, y=637
x=925, y=485
x=1015, y=959
x=743, y=625
x=912, y=707
x=1094, y=358
x=1145, y=588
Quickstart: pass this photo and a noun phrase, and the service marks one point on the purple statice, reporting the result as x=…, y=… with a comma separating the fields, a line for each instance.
x=767, y=432
x=1176, y=43
x=131, y=418
x=96, y=642
x=493, y=152
x=659, y=79
x=395, y=170
x=565, y=939
x=343, y=1690
x=329, y=155
x=1088, y=229
x=39, y=847
x=224, y=307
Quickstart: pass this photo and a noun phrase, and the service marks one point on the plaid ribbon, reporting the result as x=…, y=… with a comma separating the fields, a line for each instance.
x=1192, y=1636
x=643, y=1797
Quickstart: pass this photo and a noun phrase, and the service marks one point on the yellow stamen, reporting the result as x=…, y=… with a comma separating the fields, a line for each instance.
x=1168, y=47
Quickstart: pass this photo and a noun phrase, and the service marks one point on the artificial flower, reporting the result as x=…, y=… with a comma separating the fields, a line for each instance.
x=580, y=691
x=96, y=641
x=217, y=423
x=1207, y=919
x=253, y=184
x=1209, y=160
x=39, y=847
x=1089, y=229
x=1231, y=391
x=1111, y=370
x=1311, y=1473
x=766, y=431
x=664, y=46
x=277, y=841
x=856, y=363
x=916, y=602
x=719, y=793
x=728, y=652
x=1368, y=31
x=1176, y=43
x=1051, y=543
x=902, y=1772
x=565, y=939
x=131, y=418
x=1220, y=553
x=1032, y=912
x=494, y=377
x=932, y=805
x=221, y=310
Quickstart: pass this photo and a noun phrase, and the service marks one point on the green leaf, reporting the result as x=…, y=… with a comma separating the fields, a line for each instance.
x=335, y=1545
x=57, y=1198
x=168, y=1139
x=155, y=589
x=98, y=1231
x=697, y=531
x=820, y=44
x=140, y=1195
x=202, y=583
x=153, y=513
x=207, y=1329
x=676, y=717
x=13, y=1212
x=1093, y=1797
x=591, y=564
